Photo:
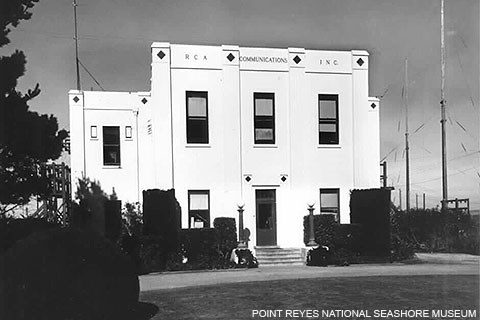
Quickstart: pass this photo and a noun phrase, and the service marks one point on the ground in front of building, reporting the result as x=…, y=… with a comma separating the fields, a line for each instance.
x=367, y=294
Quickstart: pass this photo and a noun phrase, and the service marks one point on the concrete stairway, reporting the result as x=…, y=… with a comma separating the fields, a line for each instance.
x=274, y=256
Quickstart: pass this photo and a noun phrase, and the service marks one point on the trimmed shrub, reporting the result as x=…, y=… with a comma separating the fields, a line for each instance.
x=324, y=229
x=67, y=274
x=226, y=236
x=113, y=219
x=13, y=230
x=344, y=241
x=371, y=209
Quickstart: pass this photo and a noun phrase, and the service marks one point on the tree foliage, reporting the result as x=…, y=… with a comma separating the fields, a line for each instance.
x=27, y=139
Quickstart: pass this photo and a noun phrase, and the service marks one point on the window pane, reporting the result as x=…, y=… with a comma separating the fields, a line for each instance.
x=328, y=109
x=198, y=201
x=93, y=131
x=328, y=137
x=265, y=219
x=263, y=134
x=128, y=132
x=328, y=127
x=197, y=107
x=263, y=107
x=111, y=155
x=111, y=135
x=329, y=200
x=197, y=131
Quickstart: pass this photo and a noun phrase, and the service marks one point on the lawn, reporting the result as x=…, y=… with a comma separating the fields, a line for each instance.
x=236, y=301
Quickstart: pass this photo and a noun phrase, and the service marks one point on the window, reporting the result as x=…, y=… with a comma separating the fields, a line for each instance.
x=264, y=118
x=111, y=146
x=328, y=119
x=330, y=202
x=128, y=132
x=197, y=117
x=198, y=209
x=93, y=132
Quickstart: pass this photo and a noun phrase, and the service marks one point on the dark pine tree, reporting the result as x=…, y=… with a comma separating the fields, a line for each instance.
x=27, y=139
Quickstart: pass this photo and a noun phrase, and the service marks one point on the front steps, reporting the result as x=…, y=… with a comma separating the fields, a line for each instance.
x=274, y=256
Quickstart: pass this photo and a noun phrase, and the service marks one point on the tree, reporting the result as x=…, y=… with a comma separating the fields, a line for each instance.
x=27, y=139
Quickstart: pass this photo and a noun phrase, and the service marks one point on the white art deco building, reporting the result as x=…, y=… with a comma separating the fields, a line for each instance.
x=273, y=129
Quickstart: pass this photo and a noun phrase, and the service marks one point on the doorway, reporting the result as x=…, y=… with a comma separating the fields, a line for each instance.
x=266, y=217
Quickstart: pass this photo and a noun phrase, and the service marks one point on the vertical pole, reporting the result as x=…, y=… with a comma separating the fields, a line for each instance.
x=443, y=103
x=64, y=196
x=400, y=197
x=416, y=201
x=241, y=240
x=76, y=44
x=407, y=149
x=311, y=238
x=424, y=201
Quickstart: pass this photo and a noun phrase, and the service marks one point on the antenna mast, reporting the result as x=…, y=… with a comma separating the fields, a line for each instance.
x=76, y=44
x=442, y=104
x=407, y=148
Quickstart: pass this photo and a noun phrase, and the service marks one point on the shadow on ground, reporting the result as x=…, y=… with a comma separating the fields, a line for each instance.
x=144, y=311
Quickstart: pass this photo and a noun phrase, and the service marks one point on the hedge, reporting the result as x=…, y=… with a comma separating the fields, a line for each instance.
x=339, y=244
x=206, y=248
x=432, y=230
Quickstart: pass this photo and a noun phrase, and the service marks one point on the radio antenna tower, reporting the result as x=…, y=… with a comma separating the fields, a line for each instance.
x=442, y=104
x=76, y=44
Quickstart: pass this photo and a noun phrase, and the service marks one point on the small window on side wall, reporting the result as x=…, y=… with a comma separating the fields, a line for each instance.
x=197, y=116
x=264, y=118
x=93, y=132
x=330, y=202
x=111, y=146
x=128, y=132
x=328, y=119
x=198, y=209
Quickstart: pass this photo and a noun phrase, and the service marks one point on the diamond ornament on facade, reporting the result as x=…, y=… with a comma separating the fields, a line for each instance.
x=248, y=179
x=230, y=57
x=373, y=105
x=297, y=59
x=144, y=100
x=76, y=99
x=360, y=62
x=161, y=54
x=283, y=178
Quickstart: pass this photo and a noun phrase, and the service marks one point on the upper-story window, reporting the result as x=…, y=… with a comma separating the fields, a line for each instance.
x=328, y=118
x=197, y=116
x=264, y=118
x=111, y=146
x=330, y=202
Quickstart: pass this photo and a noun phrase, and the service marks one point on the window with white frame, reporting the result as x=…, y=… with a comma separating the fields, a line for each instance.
x=264, y=118
x=328, y=119
x=330, y=202
x=197, y=116
x=198, y=208
x=111, y=146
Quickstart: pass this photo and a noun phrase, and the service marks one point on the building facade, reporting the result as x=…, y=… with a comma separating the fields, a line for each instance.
x=270, y=129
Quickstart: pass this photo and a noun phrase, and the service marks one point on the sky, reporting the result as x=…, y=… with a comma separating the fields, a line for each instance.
x=115, y=38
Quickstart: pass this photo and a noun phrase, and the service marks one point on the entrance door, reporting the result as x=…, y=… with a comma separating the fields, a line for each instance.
x=266, y=217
